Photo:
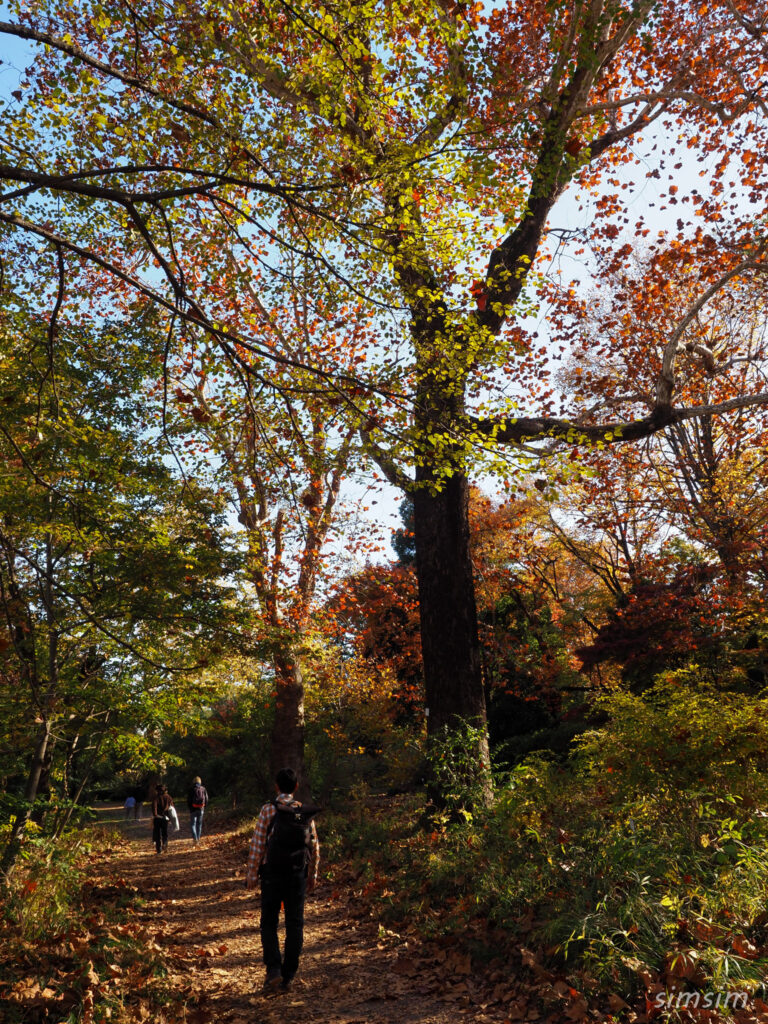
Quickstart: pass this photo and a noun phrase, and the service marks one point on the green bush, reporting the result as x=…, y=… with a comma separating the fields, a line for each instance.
x=649, y=841
x=648, y=844
x=71, y=947
x=40, y=891
x=453, y=767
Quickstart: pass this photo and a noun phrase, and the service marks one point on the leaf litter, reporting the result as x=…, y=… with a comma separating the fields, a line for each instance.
x=190, y=953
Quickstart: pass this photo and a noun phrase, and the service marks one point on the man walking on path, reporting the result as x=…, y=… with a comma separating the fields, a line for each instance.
x=285, y=855
x=161, y=806
x=197, y=801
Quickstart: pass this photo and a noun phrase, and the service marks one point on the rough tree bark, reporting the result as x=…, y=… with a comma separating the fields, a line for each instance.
x=287, y=744
x=449, y=636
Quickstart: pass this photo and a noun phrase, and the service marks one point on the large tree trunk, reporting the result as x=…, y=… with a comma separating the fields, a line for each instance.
x=287, y=749
x=449, y=636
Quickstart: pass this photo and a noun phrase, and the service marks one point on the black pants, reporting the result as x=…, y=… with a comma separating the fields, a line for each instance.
x=160, y=833
x=290, y=890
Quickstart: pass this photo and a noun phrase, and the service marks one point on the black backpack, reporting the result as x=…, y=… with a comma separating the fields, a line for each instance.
x=198, y=797
x=288, y=838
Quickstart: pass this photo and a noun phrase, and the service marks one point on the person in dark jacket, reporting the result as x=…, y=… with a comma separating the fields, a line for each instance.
x=197, y=801
x=161, y=805
x=283, y=885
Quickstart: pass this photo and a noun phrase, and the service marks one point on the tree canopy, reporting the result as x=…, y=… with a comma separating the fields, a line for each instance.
x=417, y=157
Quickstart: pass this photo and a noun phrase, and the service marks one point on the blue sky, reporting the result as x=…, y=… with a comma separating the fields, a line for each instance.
x=15, y=55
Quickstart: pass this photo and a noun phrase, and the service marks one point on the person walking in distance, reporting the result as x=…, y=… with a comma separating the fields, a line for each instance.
x=161, y=806
x=197, y=801
x=285, y=854
x=130, y=806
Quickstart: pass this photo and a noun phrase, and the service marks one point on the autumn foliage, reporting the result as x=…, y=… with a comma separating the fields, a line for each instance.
x=510, y=257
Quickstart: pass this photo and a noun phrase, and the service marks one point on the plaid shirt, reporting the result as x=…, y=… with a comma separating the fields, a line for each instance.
x=258, y=845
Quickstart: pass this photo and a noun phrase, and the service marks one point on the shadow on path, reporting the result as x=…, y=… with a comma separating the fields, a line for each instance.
x=198, y=911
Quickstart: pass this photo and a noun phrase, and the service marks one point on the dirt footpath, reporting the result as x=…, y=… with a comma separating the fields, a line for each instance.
x=206, y=925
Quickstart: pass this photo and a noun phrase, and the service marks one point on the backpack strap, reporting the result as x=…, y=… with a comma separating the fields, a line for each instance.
x=271, y=825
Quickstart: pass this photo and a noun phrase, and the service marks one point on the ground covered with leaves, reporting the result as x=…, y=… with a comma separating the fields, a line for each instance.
x=175, y=938
x=396, y=932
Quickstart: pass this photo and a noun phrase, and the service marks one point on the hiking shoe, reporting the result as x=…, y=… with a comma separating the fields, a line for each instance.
x=273, y=980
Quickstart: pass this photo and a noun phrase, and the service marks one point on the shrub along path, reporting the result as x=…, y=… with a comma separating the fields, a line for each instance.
x=203, y=924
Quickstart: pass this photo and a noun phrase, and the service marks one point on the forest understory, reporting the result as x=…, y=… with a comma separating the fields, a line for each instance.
x=175, y=938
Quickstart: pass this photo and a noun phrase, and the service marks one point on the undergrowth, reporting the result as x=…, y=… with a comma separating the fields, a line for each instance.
x=642, y=862
x=70, y=950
